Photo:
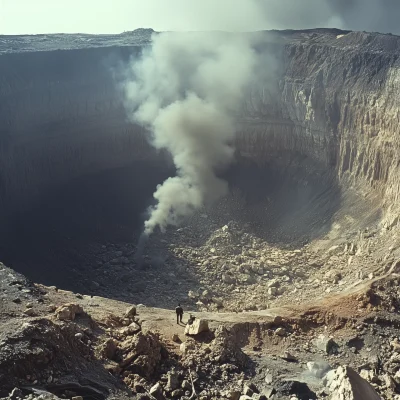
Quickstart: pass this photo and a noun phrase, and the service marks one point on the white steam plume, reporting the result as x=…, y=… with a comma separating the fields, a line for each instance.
x=186, y=90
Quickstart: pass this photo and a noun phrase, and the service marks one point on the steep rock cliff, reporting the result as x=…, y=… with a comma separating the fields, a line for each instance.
x=332, y=109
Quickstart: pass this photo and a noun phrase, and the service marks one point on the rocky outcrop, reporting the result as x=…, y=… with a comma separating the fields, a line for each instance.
x=345, y=384
x=331, y=109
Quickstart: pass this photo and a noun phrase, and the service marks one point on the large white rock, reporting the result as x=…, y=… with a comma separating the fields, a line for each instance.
x=345, y=384
x=198, y=326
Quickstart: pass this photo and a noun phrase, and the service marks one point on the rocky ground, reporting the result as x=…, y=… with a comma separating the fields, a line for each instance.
x=215, y=263
x=301, y=322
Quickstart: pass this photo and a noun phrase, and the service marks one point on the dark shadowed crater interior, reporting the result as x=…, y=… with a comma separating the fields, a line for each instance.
x=58, y=239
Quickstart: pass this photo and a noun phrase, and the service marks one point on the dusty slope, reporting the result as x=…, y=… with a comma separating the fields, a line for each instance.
x=66, y=357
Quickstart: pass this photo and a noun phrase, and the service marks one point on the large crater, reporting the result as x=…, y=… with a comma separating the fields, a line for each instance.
x=315, y=156
x=61, y=231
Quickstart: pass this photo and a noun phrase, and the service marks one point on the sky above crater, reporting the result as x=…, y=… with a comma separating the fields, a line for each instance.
x=115, y=16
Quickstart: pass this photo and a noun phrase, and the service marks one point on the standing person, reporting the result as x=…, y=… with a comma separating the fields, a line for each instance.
x=179, y=313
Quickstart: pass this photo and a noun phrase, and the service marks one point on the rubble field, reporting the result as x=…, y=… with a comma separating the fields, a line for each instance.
x=273, y=321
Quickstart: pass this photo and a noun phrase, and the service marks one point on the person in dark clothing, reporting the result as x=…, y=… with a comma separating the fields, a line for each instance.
x=179, y=313
x=191, y=319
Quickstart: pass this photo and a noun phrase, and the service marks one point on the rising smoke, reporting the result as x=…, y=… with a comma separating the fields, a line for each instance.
x=186, y=90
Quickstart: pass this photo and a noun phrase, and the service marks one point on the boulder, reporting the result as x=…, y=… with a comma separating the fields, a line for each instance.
x=326, y=344
x=345, y=384
x=67, y=312
x=130, y=312
x=198, y=326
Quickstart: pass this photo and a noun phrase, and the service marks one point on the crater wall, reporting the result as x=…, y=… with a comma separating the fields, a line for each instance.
x=332, y=109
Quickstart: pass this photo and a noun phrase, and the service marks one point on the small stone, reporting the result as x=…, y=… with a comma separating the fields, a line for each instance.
x=175, y=338
x=318, y=369
x=247, y=391
x=395, y=344
x=109, y=349
x=332, y=249
x=130, y=312
x=253, y=387
x=269, y=392
x=157, y=392
x=177, y=393
x=272, y=291
x=389, y=382
x=273, y=283
x=30, y=312
x=228, y=279
x=287, y=356
x=172, y=382
x=258, y=396
x=77, y=398
x=268, y=379
x=186, y=385
x=233, y=395
x=280, y=332
x=15, y=394
x=68, y=311
x=397, y=377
